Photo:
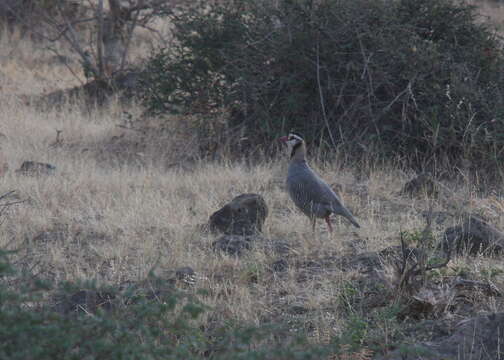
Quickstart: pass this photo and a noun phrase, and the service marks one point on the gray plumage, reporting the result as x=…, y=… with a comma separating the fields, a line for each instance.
x=311, y=194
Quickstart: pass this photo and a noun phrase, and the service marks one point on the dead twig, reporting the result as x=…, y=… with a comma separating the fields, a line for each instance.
x=7, y=194
x=321, y=96
x=411, y=266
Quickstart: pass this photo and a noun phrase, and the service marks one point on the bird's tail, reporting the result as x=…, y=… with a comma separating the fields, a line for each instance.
x=343, y=211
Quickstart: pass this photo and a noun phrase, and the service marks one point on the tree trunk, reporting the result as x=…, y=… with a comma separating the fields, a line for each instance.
x=113, y=36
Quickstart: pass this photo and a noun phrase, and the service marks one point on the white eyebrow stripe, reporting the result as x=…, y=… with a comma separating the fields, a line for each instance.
x=296, y=137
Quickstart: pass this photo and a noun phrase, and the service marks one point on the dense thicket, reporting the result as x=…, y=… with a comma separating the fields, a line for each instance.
x=419, y=79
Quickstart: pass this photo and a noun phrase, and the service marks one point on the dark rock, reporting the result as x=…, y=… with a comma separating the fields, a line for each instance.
x=423, y=184
x=297, y=309
x=439, y=217
x=233, y=244
x=475, y=236
x=184, y=271
x=280, y=265
x=186, y=274
x=477, y=338
x=33, y=168
x=244, y=215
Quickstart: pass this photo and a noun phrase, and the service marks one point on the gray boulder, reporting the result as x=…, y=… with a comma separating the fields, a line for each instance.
x=475, y=235
x=479, y=338
x=244, y=215
x=423, y=184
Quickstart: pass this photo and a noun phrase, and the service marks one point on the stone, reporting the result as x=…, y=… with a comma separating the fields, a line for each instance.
x=186, y=274
x=439, y=217
x=33, y=168
x=480, y=337
x=244, y=215
x=280, y=266
x=423, y=184
x=475, y=235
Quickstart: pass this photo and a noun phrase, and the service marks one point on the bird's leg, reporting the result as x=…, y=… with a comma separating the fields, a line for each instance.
x=328, y=223
x=314, y=220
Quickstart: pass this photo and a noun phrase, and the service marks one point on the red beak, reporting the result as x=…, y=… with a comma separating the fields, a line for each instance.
x=283, y=139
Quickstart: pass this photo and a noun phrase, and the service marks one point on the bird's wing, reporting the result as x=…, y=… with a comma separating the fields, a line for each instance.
x=317, y=189
x=322, y=194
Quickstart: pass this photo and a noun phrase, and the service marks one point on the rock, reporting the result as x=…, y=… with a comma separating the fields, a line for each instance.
x=34, y=168
x=233, y=244
x=244, y=215
x=297, y=309
x=423, y=184
x=439, y=217
x=186, y=274
x=475, y=236
x=280, y=266
x=478, y=338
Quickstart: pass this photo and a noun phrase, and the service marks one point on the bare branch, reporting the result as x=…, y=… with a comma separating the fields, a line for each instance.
x=321, y=95
x=99, y=41
x=7, y=194
x=131, y=28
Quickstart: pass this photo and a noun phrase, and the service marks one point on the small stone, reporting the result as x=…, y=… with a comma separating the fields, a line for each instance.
x=280, y=265
x=186, y=274
x=423, y=184
x=33, y=168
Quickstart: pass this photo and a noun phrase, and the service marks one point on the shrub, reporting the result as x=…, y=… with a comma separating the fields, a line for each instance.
x=418, y=79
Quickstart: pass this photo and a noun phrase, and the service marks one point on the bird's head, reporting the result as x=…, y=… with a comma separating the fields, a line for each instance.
x=294, y=142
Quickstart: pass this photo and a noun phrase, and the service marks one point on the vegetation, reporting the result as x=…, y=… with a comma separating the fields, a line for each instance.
x=418, y=80
x=132, y=323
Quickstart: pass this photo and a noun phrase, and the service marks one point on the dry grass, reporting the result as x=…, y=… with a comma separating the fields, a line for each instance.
x=490, y=11
x=117, y=223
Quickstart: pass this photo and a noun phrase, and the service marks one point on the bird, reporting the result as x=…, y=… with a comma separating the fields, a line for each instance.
x=309, y=192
